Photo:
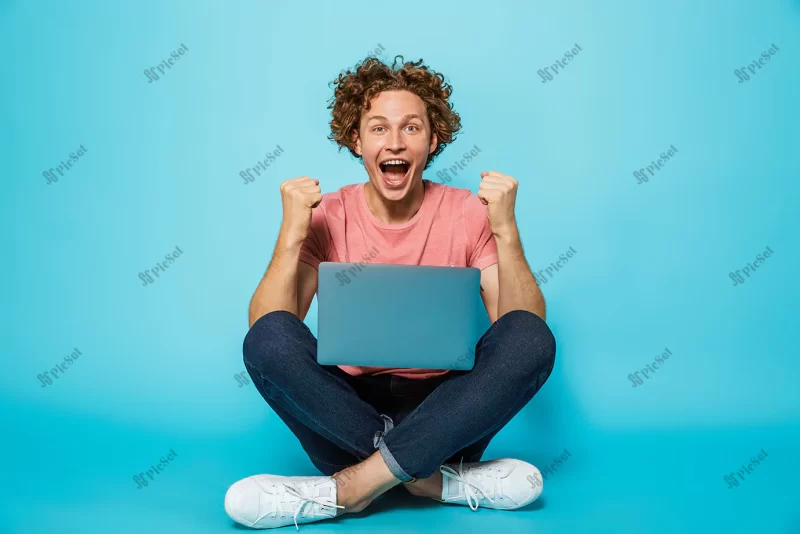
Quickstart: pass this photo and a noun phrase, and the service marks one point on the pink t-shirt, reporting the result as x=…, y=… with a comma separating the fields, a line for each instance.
x=451, y=228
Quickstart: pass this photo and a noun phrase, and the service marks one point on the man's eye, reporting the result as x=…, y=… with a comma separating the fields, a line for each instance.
x=377, y=128
x=412, y=126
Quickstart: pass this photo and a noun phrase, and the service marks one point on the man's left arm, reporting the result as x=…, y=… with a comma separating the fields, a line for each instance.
x=508, y=285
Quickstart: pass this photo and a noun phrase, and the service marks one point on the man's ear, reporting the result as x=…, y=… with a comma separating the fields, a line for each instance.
x=356, y=139
x=434, y=143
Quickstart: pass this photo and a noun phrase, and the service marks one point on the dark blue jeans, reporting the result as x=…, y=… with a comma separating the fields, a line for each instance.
x=417, y=425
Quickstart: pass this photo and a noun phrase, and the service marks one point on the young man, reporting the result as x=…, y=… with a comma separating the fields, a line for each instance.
x=368, y=429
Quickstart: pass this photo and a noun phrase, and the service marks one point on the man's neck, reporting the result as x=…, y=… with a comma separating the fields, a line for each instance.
x=394, y=212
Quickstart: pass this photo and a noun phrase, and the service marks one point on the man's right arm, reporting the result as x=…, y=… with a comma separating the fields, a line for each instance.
x=289, y=284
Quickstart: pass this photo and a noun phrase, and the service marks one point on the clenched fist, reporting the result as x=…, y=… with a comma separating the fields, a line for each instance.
x=499, y=193
x=299, y=196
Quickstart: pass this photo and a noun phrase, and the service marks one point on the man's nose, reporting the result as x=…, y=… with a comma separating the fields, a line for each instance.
x=396, y=141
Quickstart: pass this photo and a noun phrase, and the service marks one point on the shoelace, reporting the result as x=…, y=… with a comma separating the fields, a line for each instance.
x=471, y=489
x=294, y=492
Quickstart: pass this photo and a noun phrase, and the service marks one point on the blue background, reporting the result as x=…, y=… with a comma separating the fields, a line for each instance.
x=162, y=170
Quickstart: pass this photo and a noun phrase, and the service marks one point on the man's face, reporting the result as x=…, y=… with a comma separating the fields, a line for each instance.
x=395, y=128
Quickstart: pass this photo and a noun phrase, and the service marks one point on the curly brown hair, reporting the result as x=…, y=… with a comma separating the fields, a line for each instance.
x=355, y=89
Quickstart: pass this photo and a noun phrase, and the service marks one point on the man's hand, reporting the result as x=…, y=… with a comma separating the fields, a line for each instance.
x=299, y=196
x=499, y=192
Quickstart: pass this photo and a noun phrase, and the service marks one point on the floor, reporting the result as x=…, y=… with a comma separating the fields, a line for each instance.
x=80, y=479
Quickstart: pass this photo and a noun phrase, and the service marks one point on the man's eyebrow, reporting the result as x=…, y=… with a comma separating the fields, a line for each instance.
x=405, y=117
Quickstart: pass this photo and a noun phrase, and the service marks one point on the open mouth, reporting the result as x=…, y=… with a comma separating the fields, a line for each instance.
x=395, y=171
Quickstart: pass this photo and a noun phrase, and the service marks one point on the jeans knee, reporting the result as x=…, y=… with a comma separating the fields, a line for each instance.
x=272, y=342
x=530, y=343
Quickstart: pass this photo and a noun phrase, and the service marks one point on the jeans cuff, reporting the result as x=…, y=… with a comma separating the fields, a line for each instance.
x=392, y=464
x=388, y=424
x=379, y=444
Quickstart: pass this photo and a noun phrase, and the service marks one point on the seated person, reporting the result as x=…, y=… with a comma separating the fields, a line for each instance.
x=368, y=429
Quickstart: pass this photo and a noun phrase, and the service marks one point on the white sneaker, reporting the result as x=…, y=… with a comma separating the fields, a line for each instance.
x=269, y=501
x=504, y=484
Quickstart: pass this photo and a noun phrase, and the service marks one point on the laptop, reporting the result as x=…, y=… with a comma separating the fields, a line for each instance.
x=399, y=315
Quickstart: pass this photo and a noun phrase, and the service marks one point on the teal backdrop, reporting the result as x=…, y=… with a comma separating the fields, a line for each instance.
x=149, y=375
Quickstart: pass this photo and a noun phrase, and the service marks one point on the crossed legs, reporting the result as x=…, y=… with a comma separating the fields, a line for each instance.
x=341, y=432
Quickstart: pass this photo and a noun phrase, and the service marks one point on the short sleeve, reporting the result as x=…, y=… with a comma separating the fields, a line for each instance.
x=481, y=246
x=315, y=247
